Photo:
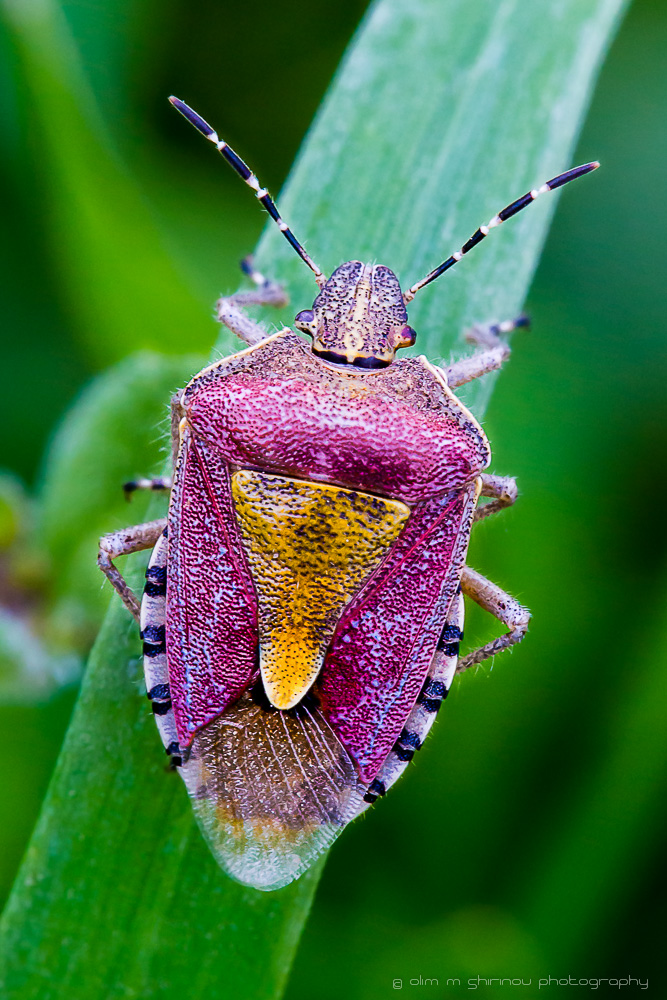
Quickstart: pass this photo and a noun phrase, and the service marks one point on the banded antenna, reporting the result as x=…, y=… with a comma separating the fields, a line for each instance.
x=503, y=216
x=247, y=175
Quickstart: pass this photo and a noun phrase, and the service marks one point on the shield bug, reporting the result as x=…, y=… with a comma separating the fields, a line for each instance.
x=303, y=604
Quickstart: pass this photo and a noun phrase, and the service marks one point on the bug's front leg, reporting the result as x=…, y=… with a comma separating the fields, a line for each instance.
x=158, y=484
x=230, y=312
x=161, y=484
x=121, y=543
x=494, y=351
x=503, y=607
x=502, y=489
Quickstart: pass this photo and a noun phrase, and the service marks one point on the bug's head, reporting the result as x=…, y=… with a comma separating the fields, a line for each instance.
x=359, y=317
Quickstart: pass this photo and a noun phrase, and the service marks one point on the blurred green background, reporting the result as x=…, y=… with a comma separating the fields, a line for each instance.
x=527, y=838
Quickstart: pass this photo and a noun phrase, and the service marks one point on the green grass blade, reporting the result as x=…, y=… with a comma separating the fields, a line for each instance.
x=441, y=113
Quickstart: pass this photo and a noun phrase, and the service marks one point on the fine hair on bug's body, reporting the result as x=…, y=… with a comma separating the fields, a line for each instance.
x=303, y=604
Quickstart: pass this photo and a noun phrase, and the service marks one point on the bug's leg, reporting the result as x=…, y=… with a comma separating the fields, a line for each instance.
x=229, y=310
x=503, y=607
x=159, y=484
x=494, y=351
x=503, y=491
x=121, y=543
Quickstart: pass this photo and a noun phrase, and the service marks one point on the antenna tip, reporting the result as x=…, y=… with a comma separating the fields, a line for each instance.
x=571, y=175
x=194, y=119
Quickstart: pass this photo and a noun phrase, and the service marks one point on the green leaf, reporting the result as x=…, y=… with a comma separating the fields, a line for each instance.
x=441, y=113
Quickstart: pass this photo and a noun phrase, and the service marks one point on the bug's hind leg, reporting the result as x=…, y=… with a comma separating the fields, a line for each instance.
x=492, y=355
x=229, y=310
x=503, y=491
x=503, y=607
x=121, y=543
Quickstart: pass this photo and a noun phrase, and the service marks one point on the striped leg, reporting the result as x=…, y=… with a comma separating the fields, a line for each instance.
x=159, y=484
x=435, y=690
x=503, y=491
x=121, y=543
x=505, y=608
x=494, y=351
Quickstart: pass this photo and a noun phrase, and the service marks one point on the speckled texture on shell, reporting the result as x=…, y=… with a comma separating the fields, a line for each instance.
x=398, y=433
x=379, y=657
x=360, y=312
x=310, y=547
x=211, y=619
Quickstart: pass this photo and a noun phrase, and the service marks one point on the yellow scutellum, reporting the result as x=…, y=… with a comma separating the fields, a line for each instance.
x=310, y=547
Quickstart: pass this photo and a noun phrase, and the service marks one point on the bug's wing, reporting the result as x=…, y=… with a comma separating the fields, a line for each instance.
x=211, y=610
x=271, y=790
x=418, y=723
x=379, y=658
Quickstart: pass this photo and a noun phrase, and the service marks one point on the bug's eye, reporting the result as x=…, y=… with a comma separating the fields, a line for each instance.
x=304, y=320
x=408, y=336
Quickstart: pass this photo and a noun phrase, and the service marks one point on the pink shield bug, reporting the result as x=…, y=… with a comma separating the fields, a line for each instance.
x=303, y=604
